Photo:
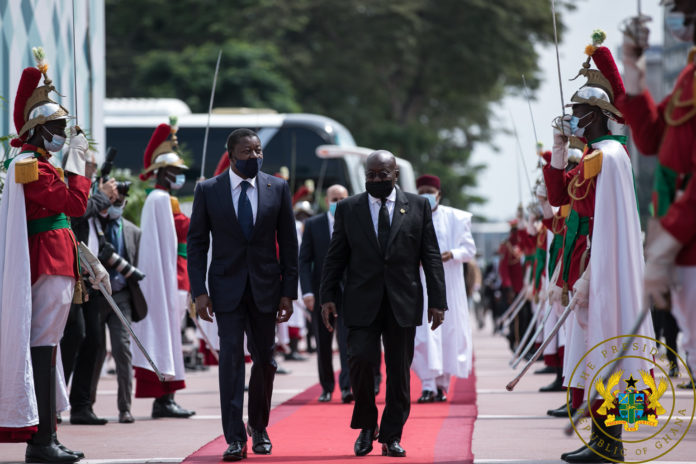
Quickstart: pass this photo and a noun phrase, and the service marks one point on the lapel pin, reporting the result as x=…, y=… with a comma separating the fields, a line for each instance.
x=268, y=185
x=402, y=211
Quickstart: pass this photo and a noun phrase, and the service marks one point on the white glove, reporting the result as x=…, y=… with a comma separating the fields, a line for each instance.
x=581, y=295
x=554, y=294
x=559, y=150
x=76, y=156
x=661, y=249
x=541, y=192
x=635, y=41
x=89, y=261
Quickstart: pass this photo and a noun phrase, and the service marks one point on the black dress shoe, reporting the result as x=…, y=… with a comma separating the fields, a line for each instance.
x=427, y=397
x=561, y=411
x=325, y=397
x=347, y=396
x=48, y=453
x=280, y=371
x=674, y=371
x=565, y=455
x=441, y=397
x=545, y=370
x=393, y=449
x=363, y=445
x=236, y=451
x=260, y=442
x=86, y=417
x=125, y=417
x=166, y=407
x=295, y=356
x=604, y=445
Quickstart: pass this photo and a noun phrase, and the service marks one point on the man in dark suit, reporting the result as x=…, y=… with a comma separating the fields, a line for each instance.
x=251, y=282
x=315, y=244
x=380, y=238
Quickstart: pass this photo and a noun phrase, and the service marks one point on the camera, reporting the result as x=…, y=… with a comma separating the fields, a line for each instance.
x=108, y=163
x=122, y=186
x=110, y=258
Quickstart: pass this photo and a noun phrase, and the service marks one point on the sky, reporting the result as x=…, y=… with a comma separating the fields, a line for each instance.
x=499, y=182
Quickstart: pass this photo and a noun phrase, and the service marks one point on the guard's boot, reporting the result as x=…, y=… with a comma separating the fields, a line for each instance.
x=43, y=446
x=557, y=384
x=165, y=406
x=605, y=446
x=294, y=354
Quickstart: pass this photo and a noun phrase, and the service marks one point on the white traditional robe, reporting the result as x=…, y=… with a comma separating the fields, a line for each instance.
x=448, y=350
x=160, y=331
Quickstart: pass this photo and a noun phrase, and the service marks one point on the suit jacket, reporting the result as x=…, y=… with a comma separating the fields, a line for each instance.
x=371, y=272
x=131, y=241
x=315, y=244
x=271, y=272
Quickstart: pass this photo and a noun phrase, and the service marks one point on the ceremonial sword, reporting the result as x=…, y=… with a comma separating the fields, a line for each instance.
x=527, y=342
x=84, y=251
x=558, y=60
x=511, y=308
x=561, y=320
x=210, y=110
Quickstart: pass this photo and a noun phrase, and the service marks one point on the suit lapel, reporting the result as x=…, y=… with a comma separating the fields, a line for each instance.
x=263, y=189
x=324, y=235
x=223, y=191
x=400, y=211
x=365, y=217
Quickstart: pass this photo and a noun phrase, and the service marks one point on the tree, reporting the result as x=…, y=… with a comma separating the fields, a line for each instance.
x=417, y=77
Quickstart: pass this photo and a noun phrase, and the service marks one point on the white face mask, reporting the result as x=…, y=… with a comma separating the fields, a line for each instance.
x=56, y=143
x=178, y=181
x=575, y=125
x=675, y=24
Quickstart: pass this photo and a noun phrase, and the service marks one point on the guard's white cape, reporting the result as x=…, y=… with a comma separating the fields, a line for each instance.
x=616, y=270
x=160, y=331
x=448, y=349
x=17, y=398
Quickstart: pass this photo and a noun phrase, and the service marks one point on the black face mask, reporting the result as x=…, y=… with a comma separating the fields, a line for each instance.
x=249, y=167
x=380, y=189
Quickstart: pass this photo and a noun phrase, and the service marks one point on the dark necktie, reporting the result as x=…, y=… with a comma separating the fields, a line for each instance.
x=383, y=225
x=244, y=214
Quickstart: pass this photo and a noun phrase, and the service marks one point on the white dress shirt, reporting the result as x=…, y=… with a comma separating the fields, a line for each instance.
x=376, y=204
x=331, y=223
x=252, y=193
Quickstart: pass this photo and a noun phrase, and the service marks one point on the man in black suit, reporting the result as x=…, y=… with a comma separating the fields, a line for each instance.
x=315, y=244
x=380, y=238
x=251, y=285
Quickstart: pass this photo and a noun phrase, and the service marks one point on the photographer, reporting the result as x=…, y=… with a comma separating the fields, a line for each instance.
x=119, y=240
x=103, y=194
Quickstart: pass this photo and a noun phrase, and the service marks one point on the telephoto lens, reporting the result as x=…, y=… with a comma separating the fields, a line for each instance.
x=109, y=257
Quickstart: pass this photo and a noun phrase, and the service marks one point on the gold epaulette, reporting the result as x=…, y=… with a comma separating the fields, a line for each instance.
x=592, y=164
x=565, y=210
x=61, y=174
x=176, y=209
x=26, y=170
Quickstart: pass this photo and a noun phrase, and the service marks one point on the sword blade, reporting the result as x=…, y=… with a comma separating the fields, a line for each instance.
x=558, y=58
x=210, y=110
x=206, y=340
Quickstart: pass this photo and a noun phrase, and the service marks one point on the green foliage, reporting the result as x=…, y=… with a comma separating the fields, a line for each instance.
x=417, y=77
x=247, y=76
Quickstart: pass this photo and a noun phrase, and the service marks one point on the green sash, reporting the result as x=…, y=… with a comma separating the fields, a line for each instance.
x=181, y=250
x=575, y=226
x=555, y=248
x=59, y=221
x=540, y=260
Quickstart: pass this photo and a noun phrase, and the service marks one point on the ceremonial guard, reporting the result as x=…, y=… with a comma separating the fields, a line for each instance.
x=602, y=260
x=439, y=354
x=39, y=266
x=668, y=129
x=165, y=286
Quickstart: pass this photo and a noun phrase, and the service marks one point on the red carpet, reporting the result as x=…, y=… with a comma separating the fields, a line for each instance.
x=304, y=430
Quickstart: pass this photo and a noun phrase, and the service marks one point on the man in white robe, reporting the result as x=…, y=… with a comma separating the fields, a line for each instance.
x=447, y=351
